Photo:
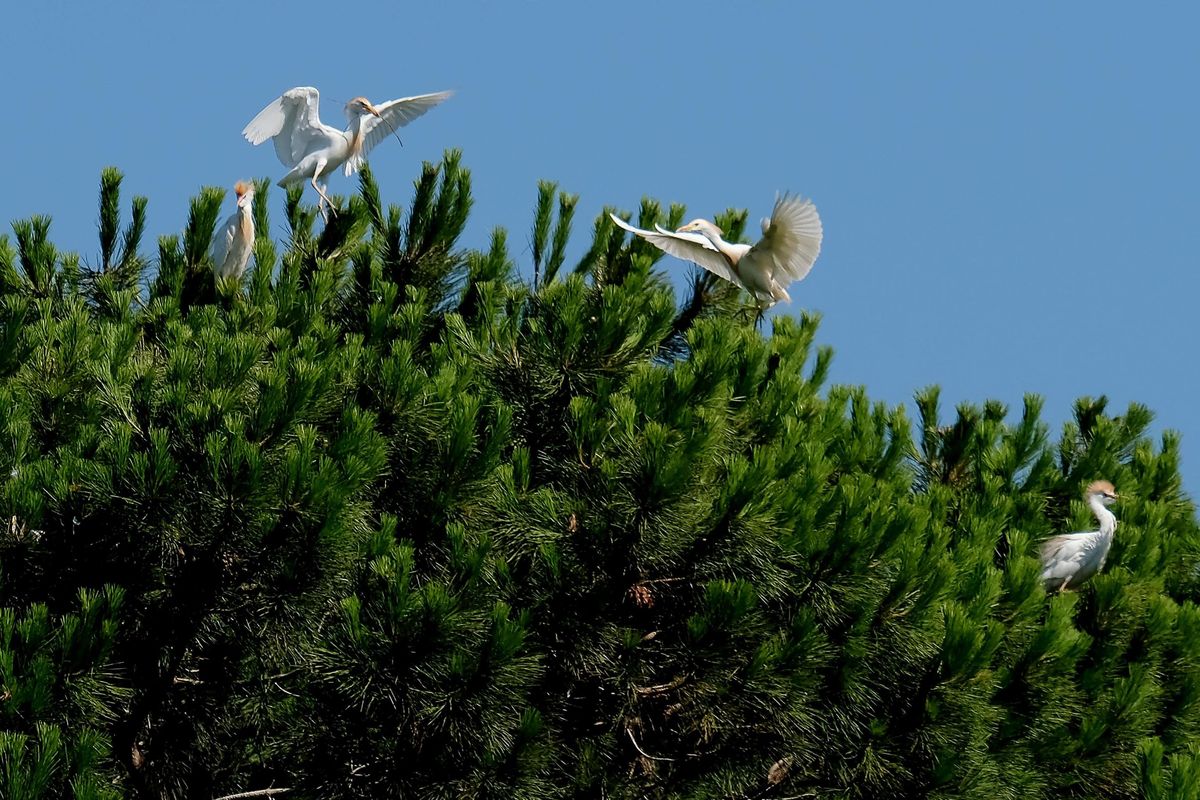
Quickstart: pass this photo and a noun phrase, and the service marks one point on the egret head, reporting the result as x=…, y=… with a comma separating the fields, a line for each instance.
x=1103, y=491
x=245, y=193
x=700, y=226
x=361, y=105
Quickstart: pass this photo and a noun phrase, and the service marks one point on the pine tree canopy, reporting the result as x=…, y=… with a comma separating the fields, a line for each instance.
x=383, y=519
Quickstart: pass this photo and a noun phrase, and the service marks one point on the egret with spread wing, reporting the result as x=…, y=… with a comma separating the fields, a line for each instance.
x=233, y=240
x=786, y=252
x=1069, y=559
x=311, y=149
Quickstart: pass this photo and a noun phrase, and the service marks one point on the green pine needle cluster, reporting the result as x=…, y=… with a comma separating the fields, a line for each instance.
x=381, y=519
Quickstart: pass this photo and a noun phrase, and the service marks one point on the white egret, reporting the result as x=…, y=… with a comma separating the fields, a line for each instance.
x=233, y=241
x=312, y=149
x=1069, y=559
x=789, y=246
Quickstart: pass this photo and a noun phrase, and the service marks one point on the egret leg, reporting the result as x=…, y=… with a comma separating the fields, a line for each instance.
x=761, y=314
x=324, y=201
x=1063, y=588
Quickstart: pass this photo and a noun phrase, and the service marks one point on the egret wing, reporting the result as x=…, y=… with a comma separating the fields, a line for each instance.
x=692, y=247
x=222, y=240
x=1064, y=548
x=293, y=121
x=1070, y=555
x=691, y=236
x=791, y=238
x=396, y=114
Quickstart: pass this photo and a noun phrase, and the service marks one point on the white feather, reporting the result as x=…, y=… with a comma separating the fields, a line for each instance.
x=689, y=246
x=786, y=253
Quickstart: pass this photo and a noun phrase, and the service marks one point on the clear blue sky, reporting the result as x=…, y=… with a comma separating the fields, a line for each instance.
x=1009, y=194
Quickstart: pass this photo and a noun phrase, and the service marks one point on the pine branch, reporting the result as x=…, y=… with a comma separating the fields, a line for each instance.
x=36, y=253
x=131, y=240
x=202, y=221
x=562, y=233
x=110, y=215
x=542, y=217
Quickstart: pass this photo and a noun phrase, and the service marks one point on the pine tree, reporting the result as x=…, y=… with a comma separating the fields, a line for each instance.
x=383, y=519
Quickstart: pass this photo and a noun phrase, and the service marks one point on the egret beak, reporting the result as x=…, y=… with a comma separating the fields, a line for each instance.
x=373, y=110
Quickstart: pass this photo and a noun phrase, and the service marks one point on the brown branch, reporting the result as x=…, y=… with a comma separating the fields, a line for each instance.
x=662, y=687
x=255, y=793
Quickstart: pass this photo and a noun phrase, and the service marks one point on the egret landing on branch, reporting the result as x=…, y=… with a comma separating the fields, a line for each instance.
x=233, y=240
x=790, y=245
x=311, y=149
x=1069, y=559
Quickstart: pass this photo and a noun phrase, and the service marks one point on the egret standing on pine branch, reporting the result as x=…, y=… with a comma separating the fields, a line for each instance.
x=312, y=149
x=790, y=245
x=233, y=240
x=1069, y=559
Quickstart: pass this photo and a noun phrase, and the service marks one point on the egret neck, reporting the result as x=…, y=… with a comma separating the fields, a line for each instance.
x=1108, y=521
x=732, y=254
x=356, y=137
x=246, y=220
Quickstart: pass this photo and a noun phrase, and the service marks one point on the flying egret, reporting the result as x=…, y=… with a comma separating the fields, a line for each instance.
x=233, y=240
x=789, y=246
x=1069, y=559
x=312, y=149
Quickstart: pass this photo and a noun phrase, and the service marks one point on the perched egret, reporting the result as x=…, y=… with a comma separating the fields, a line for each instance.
x=312, y=149
x=1069, y=559
x=233, y=240
x=790, y=245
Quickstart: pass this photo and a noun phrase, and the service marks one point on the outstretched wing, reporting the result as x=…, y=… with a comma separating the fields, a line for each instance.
x=293, y=121
x=689, y=246
x=396, y=114
x=791, y=238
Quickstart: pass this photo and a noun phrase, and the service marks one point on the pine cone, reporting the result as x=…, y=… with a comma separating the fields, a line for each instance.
x=779, y=771
x=641, y=595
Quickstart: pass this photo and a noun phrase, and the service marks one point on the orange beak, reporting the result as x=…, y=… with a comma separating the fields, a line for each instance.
x=373, y=110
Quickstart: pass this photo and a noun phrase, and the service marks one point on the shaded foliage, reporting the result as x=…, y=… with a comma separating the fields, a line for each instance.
x=383, y=520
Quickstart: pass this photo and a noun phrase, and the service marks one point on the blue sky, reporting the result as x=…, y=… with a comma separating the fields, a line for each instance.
x=1009, y=194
